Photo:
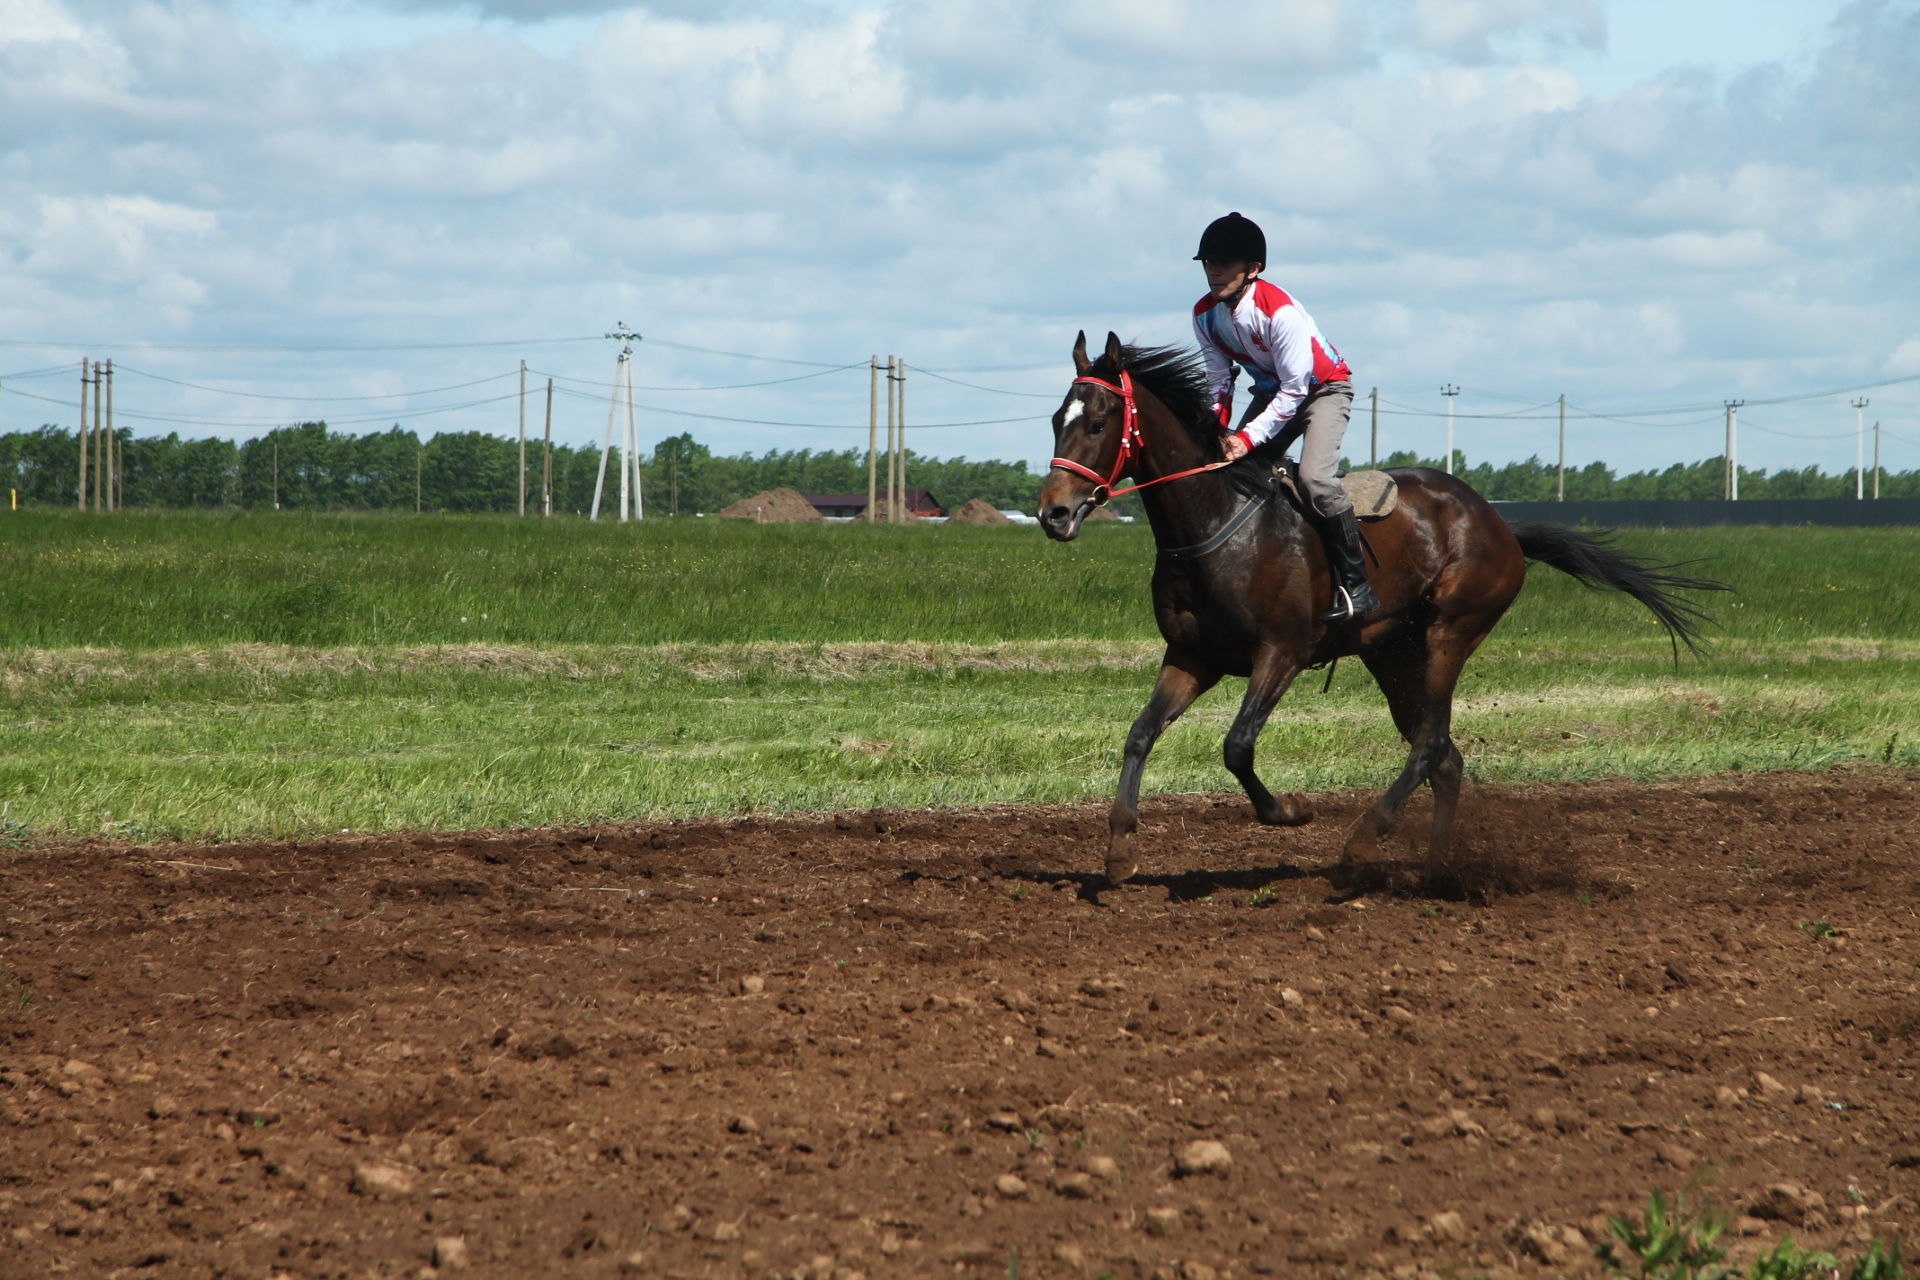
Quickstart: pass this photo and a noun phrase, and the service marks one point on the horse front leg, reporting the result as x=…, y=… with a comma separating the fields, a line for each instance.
x=1181, y=681
x=1273, y=674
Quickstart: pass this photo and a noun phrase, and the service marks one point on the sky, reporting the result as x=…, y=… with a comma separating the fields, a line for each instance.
x=370, y=212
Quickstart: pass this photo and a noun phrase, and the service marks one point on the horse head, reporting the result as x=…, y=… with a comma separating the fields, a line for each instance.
x=1093, y=435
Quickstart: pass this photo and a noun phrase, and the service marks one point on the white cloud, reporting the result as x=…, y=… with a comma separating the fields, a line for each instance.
x=965, y=184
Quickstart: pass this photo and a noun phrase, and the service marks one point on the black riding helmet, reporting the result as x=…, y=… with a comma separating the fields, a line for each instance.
x=1232, y=239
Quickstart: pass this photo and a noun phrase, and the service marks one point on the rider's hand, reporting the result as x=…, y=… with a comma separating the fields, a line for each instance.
x=1234, y=447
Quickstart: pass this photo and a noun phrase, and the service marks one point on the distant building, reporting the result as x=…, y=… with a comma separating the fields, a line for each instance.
x=851, y=506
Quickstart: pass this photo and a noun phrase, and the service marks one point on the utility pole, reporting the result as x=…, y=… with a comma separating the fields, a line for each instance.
x=100, y=436
x=86, y=437
x=1876, y=458
x=1449, y=391
x=546, y=454
x=1560, y=479
x=630, y=459
x=115, y=463
x=1733, y=449
x=893, y=428
x=1374, y=396
x=1860, y=450
x=523, y=437
x=873, y=431
x=902, y=442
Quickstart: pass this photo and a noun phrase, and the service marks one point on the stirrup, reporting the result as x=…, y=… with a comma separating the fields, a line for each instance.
x=1344, y=609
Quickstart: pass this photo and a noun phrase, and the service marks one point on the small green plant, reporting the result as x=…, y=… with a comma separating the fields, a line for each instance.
x=13, y=832
x=1263, y=896
x=1818, y=928
x=14, y=991
x=1036, y=1140
x=1668, y=1243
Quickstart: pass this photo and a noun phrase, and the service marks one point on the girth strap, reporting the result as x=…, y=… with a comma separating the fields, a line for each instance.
x=1245, y=512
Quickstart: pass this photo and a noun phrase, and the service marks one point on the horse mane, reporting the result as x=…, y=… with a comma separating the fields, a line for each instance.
x=1178, y=377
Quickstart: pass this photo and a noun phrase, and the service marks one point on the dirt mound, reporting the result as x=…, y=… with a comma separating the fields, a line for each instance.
x=926, y=1043
x=978, y=511
x=1101, y=513
x=772, y=506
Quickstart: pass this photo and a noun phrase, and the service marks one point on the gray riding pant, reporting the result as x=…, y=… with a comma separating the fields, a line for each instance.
x=1320, y=423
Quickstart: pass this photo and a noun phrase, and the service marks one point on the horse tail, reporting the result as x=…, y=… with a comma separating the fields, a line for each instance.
x=1596, y=562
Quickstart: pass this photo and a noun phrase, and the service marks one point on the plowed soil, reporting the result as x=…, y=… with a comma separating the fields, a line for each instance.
x=930, y=1044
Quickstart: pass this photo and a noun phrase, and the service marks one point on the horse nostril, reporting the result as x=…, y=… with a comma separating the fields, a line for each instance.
x=1056, y=514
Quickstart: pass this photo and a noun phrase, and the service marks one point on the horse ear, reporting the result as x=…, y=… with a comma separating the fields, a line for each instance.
x=1113, y=349
x=1080, y=362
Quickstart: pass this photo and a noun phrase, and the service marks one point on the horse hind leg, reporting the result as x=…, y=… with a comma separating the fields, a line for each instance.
x=1445, y=781
x=1418, y=680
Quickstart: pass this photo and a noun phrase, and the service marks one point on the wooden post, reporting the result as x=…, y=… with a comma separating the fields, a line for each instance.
x=546, y=450
x=904, y=517
x=893, y=428
x=1375, y=397
x=86, y=437
x=633, y=446
x=419, y=466
x=1560, y=477
x=276, y=475
x=523, y=437
x=116, y=464
x=99, y=444
x=873, y=430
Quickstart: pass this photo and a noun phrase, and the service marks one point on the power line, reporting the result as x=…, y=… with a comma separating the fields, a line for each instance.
x=261, y=395
x=736, y=386
x=803, y=426
x=741, y=355
x=296, y=349
x=999, y=391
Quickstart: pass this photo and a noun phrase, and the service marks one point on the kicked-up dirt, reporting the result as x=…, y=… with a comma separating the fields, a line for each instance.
x=929, y=1044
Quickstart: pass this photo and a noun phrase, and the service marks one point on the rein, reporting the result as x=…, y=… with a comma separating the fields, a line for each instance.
x=1131, y=444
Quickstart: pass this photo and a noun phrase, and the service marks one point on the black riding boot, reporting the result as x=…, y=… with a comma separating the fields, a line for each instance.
x=1353, y=598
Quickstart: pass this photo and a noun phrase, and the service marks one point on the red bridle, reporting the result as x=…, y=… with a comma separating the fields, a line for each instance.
x=1131, y=444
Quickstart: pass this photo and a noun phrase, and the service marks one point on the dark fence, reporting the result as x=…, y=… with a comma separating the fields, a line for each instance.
x=1677, y=514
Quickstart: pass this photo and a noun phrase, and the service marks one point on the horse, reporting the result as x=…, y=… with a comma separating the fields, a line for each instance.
x=1241, y=579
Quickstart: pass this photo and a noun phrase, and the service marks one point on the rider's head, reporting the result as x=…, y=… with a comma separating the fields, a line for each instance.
x=1233, y=250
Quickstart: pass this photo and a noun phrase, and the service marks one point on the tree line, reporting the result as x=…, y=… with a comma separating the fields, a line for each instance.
x=311, y=467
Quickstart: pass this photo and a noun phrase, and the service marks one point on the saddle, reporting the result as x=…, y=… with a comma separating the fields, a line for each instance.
x=1373, y=493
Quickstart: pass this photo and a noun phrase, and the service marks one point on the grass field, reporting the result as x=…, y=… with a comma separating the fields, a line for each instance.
x=234, y=675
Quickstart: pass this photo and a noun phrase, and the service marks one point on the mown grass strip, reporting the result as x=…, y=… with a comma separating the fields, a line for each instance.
x=194, y=746
x=158, y=678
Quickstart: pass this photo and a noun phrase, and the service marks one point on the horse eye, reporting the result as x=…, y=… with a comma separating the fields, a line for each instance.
x=1077, y=411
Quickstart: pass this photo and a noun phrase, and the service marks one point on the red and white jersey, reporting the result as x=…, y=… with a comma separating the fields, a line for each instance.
x=1273, y=338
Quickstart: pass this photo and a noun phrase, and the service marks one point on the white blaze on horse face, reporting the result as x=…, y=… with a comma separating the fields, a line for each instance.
x=1074, y=409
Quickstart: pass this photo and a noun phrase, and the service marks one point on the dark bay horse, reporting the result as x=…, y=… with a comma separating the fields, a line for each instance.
x=1240, y=581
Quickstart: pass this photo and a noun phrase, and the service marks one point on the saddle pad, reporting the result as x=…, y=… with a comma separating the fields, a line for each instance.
x=1373, y=493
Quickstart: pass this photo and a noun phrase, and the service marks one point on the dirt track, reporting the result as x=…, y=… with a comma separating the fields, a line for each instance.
x=919, y=1044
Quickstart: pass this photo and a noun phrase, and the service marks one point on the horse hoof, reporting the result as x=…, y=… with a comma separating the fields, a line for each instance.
x=1120, y=870
x=1359, y=848
x=1289, y=812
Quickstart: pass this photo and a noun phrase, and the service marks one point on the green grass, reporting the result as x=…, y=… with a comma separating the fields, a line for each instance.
x=1671, y=1242
x=227, y=676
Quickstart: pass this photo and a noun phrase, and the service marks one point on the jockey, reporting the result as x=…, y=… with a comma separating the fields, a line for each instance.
x=1302, y=389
